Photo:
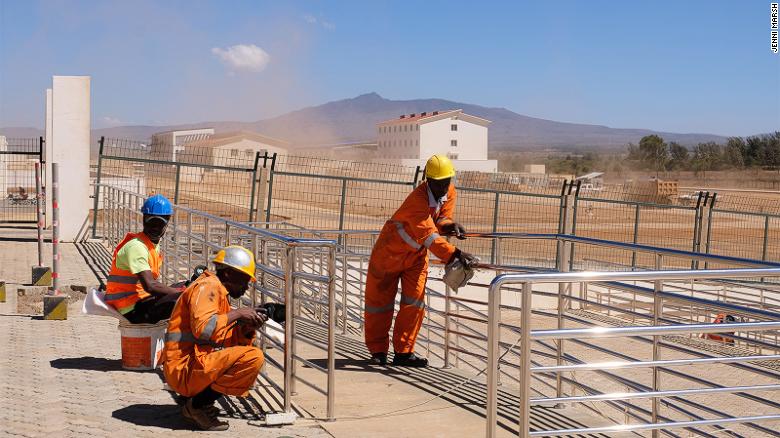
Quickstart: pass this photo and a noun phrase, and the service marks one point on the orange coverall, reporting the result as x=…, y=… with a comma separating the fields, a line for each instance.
x=401, y=252
x=194, y=358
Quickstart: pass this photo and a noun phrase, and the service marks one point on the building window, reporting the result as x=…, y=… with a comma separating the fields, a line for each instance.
x=248, y=152
x=453, y=143
x=452, y=156
x=234, y=152
x=453, y=127
x=417, y=127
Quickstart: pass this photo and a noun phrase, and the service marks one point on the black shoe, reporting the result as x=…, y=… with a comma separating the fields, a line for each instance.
x=378, y=359
x=409, y=360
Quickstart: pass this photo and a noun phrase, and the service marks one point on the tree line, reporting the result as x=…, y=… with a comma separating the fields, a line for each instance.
x=758, y=151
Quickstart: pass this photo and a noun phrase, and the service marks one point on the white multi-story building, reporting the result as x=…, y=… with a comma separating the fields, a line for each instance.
x=165, y=145
x=412, y=138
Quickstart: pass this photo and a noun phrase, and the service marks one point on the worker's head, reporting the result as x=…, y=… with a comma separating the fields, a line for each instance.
x=439, y=172
x=235, y=267
x=157, y=211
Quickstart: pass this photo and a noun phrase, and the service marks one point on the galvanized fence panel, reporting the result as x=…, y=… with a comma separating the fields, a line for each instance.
x=217, y=181
x=17, y=178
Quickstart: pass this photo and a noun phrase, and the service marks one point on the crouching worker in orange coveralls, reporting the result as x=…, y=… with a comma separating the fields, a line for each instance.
x=208, y=346
x=401, y=253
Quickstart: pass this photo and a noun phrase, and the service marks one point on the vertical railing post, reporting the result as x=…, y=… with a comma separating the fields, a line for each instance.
x=657, y=317
x=491, y=407
x=289, y=262
x=55, y=228
x=331, y=408
x=97, y=188
x=697, y=226
x=525, y=360
x=709, y=227
x=447, y=321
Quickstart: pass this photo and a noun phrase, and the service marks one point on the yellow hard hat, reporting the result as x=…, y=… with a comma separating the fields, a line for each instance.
x=238, y=258
x=439, y=167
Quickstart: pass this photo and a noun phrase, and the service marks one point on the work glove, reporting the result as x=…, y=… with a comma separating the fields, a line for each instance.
x=454, y=229
x=464, y=257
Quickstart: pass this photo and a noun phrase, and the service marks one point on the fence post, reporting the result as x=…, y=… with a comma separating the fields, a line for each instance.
x=38, y=214
x=341, y=207
x=416, y=176
x=254, y=185
x=495, y=229
x=178, y=181
x=636, y=237
x=697, y=227
x=573, y=230
x=97, y=188
x=657, y=317
x=766, y=237
x=709, y=223
x=270, y=189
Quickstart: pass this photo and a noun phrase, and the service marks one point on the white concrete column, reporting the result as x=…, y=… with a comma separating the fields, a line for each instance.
x=70, y=148
x=47, y=157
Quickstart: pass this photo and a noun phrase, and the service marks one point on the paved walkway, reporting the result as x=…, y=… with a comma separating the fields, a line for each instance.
x=64, y=378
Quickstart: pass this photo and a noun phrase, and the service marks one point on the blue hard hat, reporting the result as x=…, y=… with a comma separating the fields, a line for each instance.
x=157, y=205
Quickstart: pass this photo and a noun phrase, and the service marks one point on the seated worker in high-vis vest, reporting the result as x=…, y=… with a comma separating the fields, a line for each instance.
x=133, y=287
x=208, y=346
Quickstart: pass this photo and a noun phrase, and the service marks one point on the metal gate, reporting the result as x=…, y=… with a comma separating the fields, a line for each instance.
x=17, y=178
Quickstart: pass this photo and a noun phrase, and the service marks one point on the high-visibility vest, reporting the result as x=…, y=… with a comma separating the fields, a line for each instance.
x=123, y=288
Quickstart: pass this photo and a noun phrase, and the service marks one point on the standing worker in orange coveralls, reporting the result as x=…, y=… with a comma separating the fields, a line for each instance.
x=208, y=346
x=401, y=252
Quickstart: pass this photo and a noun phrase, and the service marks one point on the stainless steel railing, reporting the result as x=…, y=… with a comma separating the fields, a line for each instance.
x=527, y=281
x=193, y=236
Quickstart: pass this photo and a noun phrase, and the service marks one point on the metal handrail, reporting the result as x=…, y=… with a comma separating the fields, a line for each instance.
x=527, y=335
x=123, y=198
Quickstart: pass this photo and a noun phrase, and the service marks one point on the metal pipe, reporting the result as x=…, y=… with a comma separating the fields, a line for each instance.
x=447, y=312
x=672, y=425
x=288, y=327
x=39, y=199
x=654, y=394
x=660, y=363
x=616, y=332
x=332, y=334
x=491, y=405
x=657, y=316
x=525, y=360
x=55, y=228
x=97, y=188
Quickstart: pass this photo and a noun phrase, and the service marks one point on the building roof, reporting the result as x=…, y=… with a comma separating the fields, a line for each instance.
x=432, y=116
x=227, y=138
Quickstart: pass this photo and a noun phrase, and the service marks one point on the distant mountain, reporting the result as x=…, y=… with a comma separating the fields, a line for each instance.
x=354, y=120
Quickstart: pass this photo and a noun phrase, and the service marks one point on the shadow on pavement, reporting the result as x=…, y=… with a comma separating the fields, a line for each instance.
x=164, y=416
x=87, y=363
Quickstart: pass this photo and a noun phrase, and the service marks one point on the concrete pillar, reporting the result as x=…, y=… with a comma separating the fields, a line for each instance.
x=47, y=157
x=70, y=148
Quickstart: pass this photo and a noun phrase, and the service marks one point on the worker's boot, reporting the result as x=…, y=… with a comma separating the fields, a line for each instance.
x=409, y=360
x=202, y=419
x=378, y=359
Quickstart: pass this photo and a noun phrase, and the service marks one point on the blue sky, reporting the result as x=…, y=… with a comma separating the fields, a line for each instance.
x=692, y=66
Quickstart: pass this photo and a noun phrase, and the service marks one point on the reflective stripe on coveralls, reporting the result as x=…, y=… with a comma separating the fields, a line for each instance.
x=400, y=253
x=198, y=325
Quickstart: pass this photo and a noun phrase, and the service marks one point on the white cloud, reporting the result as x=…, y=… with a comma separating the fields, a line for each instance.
x=311, y=19
x=243, y=57
x=110, y=121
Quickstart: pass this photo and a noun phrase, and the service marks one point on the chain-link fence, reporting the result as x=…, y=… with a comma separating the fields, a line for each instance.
x=329, y=195
x=17, y=178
